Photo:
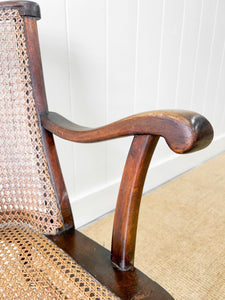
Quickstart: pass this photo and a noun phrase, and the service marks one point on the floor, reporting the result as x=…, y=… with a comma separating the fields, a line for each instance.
x=180, y=242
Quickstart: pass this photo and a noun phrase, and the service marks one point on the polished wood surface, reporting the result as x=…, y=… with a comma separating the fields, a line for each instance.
x=128, y=202
x=184, y=131
x=91, y=256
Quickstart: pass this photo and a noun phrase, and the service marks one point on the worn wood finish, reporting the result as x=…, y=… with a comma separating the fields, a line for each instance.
x=91, y=256
x=127, y=209
x=26, y=8
x=41, y=102
x=184, y=131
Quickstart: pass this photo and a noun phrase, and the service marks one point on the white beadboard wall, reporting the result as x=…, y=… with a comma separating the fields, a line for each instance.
x=107, y=59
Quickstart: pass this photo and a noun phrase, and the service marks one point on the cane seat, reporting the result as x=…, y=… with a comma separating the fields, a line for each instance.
x=33, y=267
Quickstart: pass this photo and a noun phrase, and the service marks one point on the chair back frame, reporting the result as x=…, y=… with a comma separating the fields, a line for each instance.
x=30, y=12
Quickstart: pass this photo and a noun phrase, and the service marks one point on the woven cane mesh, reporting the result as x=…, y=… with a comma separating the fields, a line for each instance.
x=32, y=267
x=26, y=191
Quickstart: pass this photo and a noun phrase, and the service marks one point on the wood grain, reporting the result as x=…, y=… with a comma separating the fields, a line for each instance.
x=96, y=259
x=184, y=131
x=127, y=209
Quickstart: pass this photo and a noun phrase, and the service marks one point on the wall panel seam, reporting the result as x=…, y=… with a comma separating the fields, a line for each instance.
x=66, y=8
x=160, y=53
x=210, y=58
x=136, y=56
x=180, y=55
x=196, y=56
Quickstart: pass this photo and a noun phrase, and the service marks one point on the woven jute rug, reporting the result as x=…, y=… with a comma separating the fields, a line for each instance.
x=181, y=233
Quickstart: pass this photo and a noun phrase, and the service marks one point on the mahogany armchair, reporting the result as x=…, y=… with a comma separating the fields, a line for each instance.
x=42, y=255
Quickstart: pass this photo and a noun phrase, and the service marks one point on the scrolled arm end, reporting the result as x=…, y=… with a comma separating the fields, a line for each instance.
x=184, y=131
x=203, y=131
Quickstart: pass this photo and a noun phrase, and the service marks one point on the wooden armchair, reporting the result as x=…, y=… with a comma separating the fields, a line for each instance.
x=42, y=255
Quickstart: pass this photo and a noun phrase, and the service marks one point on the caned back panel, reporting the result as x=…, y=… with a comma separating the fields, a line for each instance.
x=27, y=194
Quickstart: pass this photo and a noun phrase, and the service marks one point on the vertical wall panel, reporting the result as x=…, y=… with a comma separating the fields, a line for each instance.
x=87, y=40
x=120, y=60
x=148, y=50
x=121, y=43
x=191, y=28
x=87, y=32
x=213, y=65
x=212, y=94
x=203, y=54
x=170, y=53
x=219, y=115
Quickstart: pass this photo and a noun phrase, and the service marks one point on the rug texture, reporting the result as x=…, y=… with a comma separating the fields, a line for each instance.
x=181, y=233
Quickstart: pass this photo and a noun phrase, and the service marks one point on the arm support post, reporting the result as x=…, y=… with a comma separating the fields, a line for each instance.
x=127, y=209
x=184, y=132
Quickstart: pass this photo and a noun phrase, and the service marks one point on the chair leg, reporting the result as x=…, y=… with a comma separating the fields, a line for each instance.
x=126, y=214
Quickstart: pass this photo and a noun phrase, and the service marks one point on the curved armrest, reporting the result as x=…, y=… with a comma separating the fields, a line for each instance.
x=184, y=131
